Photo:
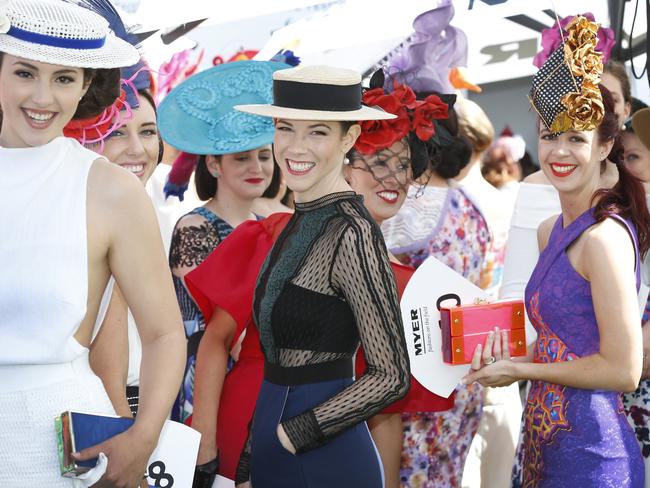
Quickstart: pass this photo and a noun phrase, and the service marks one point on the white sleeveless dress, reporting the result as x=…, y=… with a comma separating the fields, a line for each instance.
x=43, y=293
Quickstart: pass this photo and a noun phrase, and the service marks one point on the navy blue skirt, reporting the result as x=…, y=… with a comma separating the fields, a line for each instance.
x=349, y=460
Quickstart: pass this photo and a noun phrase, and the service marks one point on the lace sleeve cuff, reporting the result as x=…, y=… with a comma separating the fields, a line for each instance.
x=304, y=432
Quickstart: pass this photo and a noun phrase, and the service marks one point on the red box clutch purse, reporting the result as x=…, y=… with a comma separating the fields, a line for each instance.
x=466, y=326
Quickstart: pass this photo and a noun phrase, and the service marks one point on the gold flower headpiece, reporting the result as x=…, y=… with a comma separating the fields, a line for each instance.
x=565, y=90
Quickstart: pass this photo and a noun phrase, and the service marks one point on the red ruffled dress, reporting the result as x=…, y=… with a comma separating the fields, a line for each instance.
x=418, y=399
x=226, y=279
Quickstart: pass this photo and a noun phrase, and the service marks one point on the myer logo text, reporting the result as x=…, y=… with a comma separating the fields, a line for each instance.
x=416, y=326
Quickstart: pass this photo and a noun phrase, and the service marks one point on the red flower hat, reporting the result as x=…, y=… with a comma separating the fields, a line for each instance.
x=413, y=115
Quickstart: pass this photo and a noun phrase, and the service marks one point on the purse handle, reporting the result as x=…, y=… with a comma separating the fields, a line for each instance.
x=444, y=298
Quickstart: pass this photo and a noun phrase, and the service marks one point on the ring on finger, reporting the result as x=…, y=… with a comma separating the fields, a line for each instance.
x=490, y=360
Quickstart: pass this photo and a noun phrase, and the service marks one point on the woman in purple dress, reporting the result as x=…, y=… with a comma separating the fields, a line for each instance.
x=581, y=297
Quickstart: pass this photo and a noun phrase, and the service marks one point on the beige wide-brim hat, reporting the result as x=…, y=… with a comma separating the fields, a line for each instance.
x=641, y=126
x=317, y=93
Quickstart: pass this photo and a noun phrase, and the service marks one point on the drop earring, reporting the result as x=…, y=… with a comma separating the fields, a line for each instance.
x=346, y=160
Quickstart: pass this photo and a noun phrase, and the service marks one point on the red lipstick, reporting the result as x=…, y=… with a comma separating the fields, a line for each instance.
x=562, y=170
x=254, y=181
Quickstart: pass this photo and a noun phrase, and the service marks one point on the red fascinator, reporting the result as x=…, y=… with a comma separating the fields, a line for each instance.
x=417, y=116
x=96, y=129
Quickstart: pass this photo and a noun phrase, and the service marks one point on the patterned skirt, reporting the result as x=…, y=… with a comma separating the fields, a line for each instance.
x=637, y=409
x=436, y=444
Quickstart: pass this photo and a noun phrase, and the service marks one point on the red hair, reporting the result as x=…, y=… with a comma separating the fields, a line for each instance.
x=627, y=197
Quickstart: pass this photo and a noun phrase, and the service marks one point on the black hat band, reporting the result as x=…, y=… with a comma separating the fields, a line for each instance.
x=316, y=96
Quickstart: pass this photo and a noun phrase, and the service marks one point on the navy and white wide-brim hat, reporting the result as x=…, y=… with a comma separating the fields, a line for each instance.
x=198, y=116
x=63, y=33
x=317, y=93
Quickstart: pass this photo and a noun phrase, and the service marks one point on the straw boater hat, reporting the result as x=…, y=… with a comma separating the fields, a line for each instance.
x=61, y=32
x=641, y=125
x=317, y=93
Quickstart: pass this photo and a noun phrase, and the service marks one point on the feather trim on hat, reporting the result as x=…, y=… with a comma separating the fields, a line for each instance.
x=179, y=176
x=133, y=79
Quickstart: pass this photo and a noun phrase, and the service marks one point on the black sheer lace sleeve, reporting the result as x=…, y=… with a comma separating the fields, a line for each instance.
x=361, y=273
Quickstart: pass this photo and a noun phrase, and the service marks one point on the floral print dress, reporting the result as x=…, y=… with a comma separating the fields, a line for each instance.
x=637, y=408
x=446, y=224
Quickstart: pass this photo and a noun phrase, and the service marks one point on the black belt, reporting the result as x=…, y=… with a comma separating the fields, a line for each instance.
x=309, y=373
x=133, y=397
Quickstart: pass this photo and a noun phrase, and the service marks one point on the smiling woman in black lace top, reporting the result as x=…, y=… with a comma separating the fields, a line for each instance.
x=325, y=287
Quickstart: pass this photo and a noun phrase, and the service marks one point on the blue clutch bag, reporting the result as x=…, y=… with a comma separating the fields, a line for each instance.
x=77, y=431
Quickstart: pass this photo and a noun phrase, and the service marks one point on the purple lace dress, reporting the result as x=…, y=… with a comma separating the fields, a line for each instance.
x=573, y=437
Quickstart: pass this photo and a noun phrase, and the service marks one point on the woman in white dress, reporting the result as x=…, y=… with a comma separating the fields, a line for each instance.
x=70, y=220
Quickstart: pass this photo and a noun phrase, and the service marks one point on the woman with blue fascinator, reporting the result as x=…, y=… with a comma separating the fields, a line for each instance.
x=70, y=220
x=325, y=287
x=234, y=167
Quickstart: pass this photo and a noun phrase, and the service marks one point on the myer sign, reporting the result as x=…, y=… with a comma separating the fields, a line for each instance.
x=433, y=285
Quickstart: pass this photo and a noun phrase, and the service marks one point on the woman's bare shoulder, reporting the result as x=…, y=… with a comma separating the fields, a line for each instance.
x=117, y=200
x=608, y=236
x=110, y=184
x=538, y=178
x=544, y=231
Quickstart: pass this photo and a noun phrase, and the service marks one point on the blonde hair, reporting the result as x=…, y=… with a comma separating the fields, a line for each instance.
x=474, y=125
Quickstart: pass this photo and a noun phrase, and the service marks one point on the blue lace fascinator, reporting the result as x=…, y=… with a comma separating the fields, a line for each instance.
x=198, y=117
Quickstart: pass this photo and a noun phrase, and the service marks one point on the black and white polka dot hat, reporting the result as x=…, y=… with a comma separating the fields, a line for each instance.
x=550, y=84
x=565, y=91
